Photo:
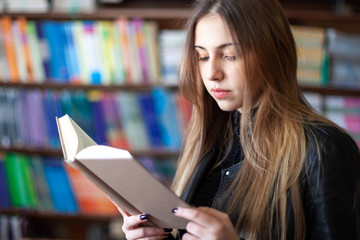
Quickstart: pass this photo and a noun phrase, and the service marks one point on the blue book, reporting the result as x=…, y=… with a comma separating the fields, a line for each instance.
x=52, y=109
x=150, y=121
x=43, y=41
x=167, y=115
x=71, y=58
x=99, y=122
x=54, y=33
x=61, y=192
x=83, y=112
x=4, y=190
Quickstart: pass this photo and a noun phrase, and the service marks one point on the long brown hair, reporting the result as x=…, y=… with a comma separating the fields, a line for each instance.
x=274, y=140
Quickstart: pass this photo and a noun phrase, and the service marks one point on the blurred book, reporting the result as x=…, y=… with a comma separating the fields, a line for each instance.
x=312, y=59
x=170, y=46
x=74, y=6
x=344, y=52
x=34, y=6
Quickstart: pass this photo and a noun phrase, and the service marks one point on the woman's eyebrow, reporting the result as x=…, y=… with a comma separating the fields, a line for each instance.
x=218, y=47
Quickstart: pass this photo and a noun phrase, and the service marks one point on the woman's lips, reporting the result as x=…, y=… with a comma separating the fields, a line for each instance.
x=220, y=93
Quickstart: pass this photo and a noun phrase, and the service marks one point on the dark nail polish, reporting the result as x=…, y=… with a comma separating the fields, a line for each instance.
x=175, y=210
x=144, y=216
x=168, y=229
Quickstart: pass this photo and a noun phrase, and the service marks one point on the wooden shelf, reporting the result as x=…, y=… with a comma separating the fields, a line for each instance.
x=166, y=17
x=108, y=14
x=324, y=90
x=325, y=19
x=73, y=87
x=158, y=153
x=333, y=91
x=176, y=17
x=56, y=215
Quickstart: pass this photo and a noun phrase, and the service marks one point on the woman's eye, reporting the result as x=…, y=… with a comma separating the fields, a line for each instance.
x=230, y=57
x=203, y=59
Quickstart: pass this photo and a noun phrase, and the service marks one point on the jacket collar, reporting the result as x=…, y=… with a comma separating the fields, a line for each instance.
x=200, y=172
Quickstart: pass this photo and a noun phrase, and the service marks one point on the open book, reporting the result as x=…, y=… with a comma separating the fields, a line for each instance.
x=120, y=176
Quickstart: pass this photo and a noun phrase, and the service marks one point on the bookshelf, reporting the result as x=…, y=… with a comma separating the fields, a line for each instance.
x=168, y=17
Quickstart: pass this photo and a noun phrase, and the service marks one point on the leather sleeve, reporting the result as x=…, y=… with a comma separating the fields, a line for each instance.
x=331, y=187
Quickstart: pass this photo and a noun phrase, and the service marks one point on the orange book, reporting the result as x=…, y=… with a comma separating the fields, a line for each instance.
x=22, y=22
x=9, y=48
x=90, y=198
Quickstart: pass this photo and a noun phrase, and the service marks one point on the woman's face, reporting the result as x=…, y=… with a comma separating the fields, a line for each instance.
x=220, y=66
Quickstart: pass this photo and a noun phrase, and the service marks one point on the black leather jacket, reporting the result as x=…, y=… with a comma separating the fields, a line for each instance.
x=330, y=187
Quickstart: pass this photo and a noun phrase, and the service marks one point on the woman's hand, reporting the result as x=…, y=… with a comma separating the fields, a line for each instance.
x=206, y=223
x=133, y=228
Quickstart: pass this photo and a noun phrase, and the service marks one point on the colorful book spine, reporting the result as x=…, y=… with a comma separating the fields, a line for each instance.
x=62, y=194
x=9, y=48
x=114, y=128
x=20, y=182
x=4, y=190
x=150, y=120
x=90, y=198
x=40, y=183
x=166, y=112
x=132, y=120
x=35, y=52
x=25, y=46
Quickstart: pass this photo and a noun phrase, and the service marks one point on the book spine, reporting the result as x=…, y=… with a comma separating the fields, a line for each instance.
x=4, y=190
x=9, y=48
x=21, y=193
x=62, y=195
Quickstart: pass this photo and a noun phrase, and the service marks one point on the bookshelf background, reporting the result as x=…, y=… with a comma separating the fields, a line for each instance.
x=339, y=102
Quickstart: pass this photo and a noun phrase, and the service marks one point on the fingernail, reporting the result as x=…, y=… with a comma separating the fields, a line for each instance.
x=168, y=229
x=175, y=210
x=144, y=216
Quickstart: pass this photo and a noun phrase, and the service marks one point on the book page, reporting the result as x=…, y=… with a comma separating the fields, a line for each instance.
x=72, y=138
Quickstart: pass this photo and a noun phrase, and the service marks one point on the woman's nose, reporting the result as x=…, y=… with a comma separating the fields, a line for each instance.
x=214, y=71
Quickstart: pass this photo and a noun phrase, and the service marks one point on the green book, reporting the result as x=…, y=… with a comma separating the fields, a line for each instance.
x=41, y=185
x=20, y=181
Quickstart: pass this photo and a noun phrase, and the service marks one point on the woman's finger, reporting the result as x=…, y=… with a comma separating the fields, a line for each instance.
x=146, y=233
x=131, y=222
x=197, y=216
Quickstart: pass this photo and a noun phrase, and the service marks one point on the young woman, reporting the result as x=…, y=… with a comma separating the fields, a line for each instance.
x=257, y=161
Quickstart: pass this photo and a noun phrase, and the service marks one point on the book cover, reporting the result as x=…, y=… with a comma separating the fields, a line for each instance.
x=120, y=176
